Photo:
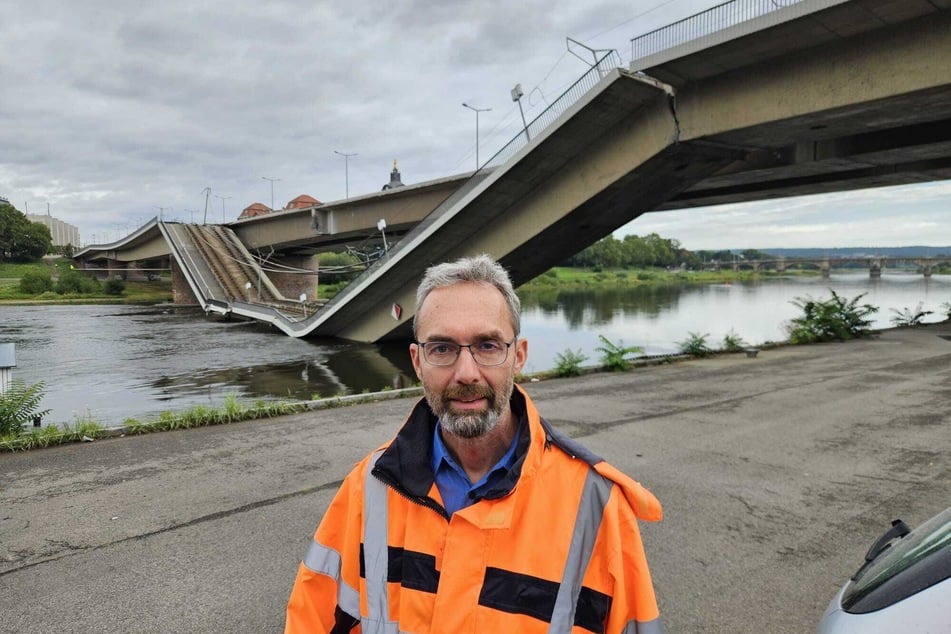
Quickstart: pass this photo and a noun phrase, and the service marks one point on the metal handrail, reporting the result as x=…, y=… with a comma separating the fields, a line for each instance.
x=716, y=18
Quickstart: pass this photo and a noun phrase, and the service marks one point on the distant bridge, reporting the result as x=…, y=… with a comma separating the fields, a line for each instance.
x=875, y=264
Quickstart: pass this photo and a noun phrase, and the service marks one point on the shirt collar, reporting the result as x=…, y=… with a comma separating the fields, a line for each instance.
x=441, y=453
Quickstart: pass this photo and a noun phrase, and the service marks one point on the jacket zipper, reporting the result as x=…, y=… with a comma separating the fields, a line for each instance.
x=421, y=501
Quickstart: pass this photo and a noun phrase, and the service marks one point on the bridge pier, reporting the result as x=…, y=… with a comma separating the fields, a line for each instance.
x=825, y=268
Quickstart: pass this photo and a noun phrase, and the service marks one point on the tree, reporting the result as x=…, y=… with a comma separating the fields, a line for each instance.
x=20, y=239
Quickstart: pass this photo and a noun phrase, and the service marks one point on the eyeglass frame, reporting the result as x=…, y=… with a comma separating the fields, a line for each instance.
x=422, y=346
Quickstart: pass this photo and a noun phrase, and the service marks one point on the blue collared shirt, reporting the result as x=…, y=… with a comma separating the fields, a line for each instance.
x=454, y=486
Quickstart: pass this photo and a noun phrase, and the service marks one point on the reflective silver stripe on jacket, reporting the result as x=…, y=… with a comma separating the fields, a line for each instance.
x=326, y=561
x=375, y=554
x=644, y=627
x=594, y=497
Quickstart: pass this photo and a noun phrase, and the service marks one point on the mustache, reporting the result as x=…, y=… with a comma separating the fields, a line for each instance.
x=468, y=392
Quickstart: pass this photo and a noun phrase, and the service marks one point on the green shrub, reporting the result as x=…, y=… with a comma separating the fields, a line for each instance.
x=732, y=342
x=568, y=363
x=907, y=317
x=695, y=345
x=334, y=260
x=114, y=286
x=76, y=282
x=613, y=355
x=19, y=405
x=833, y=318
x=36, y=282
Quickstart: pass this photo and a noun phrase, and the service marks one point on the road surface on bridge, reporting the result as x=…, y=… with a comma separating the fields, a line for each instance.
x=776, y=473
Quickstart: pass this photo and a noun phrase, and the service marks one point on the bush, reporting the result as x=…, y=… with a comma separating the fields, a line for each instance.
x=732, y=342
x=833, y=318
x=19, y=405
x=36, y=282
x=568, y=363
x=695, y=345
x=114, y=286
x=613, y=355
x=907, y=317
x=76, y=282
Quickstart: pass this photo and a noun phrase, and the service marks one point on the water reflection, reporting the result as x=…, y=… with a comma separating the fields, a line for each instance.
x=601, y=306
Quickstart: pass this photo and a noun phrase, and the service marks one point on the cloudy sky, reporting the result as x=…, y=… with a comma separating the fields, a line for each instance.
x=115, y=112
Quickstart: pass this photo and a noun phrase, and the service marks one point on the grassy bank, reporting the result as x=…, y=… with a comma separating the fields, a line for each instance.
x=134, y=292
x=577, y=278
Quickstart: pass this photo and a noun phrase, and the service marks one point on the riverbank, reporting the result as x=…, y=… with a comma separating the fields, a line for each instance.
x=155, y=291
x=561, y=278
x=776, y=473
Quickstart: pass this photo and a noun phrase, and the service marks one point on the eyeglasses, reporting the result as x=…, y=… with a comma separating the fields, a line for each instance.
x=488, y=352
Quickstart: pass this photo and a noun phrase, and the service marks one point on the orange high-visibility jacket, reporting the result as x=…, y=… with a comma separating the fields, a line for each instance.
x=554, y=548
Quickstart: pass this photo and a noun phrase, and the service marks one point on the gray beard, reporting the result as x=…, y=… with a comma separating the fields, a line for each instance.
x=469, y=424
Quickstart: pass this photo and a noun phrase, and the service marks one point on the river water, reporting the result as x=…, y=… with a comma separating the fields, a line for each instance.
x=113, y=362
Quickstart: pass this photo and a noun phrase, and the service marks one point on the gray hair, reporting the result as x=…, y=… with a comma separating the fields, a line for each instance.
x=480, y=268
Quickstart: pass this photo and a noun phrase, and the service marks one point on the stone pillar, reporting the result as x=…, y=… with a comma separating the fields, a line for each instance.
x=293, y=285
x=181, y=291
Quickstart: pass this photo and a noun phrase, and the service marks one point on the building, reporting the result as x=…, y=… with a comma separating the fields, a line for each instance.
x=395, y=180
x=302, y=202
x=254, y=209
x=62, y=233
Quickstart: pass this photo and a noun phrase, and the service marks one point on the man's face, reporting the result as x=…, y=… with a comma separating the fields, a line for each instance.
x=469, y=399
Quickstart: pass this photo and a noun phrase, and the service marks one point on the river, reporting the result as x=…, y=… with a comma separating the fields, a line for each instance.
x=112, y=362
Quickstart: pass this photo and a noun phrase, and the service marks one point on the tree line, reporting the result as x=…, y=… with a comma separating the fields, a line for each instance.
x=652, y=250
x=20, y=239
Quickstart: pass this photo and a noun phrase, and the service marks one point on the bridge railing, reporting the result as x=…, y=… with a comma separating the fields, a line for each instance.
x=604, y=64
x=718, y=24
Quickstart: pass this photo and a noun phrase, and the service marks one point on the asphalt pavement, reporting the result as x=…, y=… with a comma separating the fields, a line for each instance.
x=776, y=473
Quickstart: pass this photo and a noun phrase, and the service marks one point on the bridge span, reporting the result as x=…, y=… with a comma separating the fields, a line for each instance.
x=818, y=96
x=874, y=263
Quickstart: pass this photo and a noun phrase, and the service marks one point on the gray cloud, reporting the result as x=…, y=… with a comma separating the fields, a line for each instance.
x=113, y=110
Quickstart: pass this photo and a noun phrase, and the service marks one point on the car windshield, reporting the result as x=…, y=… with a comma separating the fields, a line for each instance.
x=930, y=537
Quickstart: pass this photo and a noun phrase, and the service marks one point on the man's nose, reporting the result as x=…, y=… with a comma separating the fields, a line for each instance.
x=466, y=368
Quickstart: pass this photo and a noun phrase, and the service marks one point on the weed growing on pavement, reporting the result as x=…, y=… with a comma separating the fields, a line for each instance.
x=905, y=317
x=568, y=363
x=233, y=410
x=695, y=345
x=830, y=319
x=613, y=356
x=732, y=342
x=84, y=428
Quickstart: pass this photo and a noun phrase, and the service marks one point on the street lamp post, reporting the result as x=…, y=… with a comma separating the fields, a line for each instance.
x=517, y=95
x=477, y=111
x=223, y=199
x=346, y=170
x=272, y=189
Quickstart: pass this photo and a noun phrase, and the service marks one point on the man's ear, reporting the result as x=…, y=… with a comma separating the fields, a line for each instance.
x=414, y=354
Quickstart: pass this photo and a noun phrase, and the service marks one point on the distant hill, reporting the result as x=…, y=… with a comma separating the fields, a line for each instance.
x=852, y=252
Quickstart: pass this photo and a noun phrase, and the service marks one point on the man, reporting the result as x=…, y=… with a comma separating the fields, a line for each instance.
x=478, y=516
